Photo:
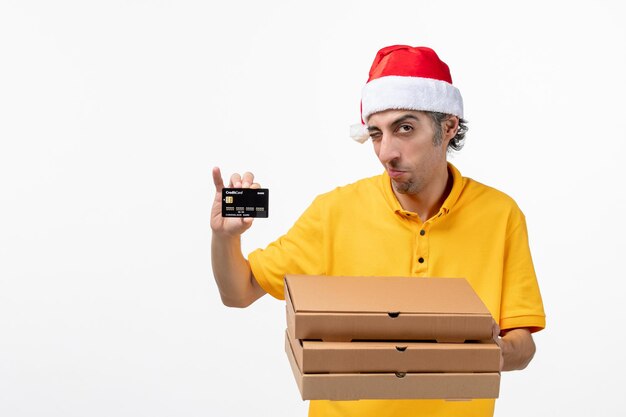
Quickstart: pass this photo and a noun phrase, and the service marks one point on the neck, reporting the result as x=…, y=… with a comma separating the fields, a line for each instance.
x=427, y=202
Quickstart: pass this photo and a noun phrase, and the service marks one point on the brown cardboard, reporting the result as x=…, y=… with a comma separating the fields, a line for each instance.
x=354, y=386
x=393, y=308
x=399, y=356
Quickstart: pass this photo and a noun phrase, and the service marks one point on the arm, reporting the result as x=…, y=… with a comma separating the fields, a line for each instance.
x=237, y=285
x=521, y=309
x=516, y=346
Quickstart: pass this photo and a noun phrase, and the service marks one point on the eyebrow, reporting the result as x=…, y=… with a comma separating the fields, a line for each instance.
x=404, y=118
x=396, y=122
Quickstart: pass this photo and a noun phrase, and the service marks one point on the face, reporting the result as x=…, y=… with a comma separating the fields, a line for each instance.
x=404, y=143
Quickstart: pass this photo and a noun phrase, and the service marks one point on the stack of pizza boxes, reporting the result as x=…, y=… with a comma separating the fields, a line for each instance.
x=354, y=338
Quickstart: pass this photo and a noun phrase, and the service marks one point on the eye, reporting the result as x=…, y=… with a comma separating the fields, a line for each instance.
x=375, y=136
x=405, y=128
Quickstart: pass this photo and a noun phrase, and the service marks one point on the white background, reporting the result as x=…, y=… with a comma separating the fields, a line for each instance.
x=112, y=114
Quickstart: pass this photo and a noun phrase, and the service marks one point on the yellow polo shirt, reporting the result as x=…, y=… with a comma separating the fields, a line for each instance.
x=361, y=230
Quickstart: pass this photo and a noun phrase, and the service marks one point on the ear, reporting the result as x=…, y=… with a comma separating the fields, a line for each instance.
x=450, y=127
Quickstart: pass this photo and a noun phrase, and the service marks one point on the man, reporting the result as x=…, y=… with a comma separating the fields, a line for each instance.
x=419, y=218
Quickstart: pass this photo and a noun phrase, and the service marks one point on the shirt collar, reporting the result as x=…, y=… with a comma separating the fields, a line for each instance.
x=455, y=192
x=448, y=204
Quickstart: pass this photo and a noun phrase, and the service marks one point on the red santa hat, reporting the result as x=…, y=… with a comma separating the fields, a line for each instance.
x=407, y=78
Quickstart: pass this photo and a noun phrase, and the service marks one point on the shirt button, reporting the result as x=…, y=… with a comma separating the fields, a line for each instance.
x=420, y=260
x=422, y=232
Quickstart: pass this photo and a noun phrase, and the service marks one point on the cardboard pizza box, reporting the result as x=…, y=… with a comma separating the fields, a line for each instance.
x=394, y=356
x=384, y=308
x=355, y=386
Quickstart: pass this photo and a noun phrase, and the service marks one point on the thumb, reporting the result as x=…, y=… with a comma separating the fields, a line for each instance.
x=496, y=338
x=495, y=332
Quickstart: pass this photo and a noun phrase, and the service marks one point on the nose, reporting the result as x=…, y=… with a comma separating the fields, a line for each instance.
x=387, y=149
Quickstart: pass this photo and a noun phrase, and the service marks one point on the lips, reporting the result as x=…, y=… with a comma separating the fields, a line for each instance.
x=394, y=173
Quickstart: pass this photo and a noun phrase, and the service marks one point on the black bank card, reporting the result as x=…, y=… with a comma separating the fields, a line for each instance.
x=245, y=202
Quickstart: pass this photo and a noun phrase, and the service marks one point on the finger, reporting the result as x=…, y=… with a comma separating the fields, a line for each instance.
x=496, y=338
x=248, y=178
x=217, y=179
x=235, y=181
x=247, y=221
x=495, y=330
x=255, y=185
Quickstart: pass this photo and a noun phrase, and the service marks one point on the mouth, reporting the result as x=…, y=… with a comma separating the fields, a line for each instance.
x=395, y=173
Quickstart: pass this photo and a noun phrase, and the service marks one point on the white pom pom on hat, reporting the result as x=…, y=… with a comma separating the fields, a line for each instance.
x=359, y=132
x=408, y=78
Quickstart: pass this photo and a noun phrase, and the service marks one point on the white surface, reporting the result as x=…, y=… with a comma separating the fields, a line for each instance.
x=113, y=113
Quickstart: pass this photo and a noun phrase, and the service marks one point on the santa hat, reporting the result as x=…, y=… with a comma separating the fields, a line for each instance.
x=407, y=78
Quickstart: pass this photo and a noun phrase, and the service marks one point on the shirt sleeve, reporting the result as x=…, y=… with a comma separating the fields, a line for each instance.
x=522, y=305
x=299, y=251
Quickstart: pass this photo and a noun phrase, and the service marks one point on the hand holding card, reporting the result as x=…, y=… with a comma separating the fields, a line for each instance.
x=237, y=224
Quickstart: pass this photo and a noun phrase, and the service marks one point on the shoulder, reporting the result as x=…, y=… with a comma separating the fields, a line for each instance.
x=475, y=189
x=488, y=199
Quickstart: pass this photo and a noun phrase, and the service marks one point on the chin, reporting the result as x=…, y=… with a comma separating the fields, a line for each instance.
x=404, y=187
